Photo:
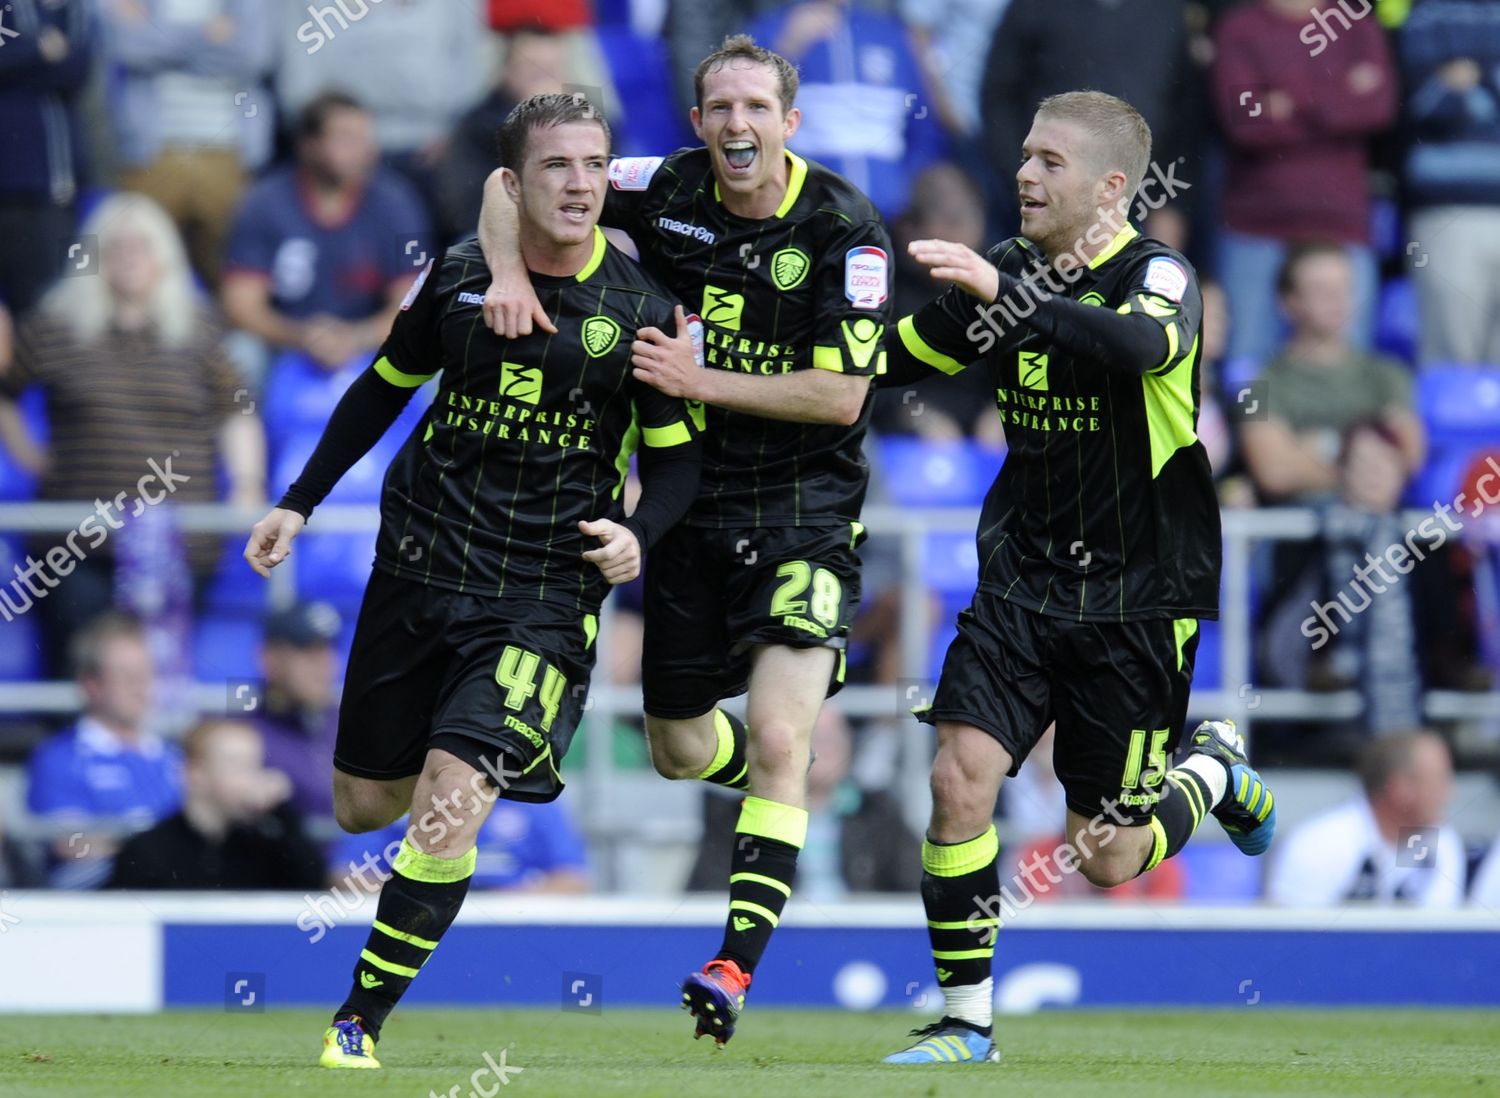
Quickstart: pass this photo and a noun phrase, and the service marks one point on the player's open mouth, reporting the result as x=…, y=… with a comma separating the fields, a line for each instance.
x=1031, y=205
x=739, y=154
x=576, y=211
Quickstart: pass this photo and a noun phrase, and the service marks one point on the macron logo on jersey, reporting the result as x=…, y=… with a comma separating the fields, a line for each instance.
x=685, y=229
x=633, y=173
x=466, y=298
x=866, y=277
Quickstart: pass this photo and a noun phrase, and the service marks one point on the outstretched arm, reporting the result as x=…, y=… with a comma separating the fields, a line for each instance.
x=511, y=307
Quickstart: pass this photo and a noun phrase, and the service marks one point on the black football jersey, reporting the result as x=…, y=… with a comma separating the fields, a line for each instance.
x=1104, y=509
x=807, y=288
x=525, y=437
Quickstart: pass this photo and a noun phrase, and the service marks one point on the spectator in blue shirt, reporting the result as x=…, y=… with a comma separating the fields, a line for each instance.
x=864, y=97
x=522, y=847
x=322, y=252
x=109, y=774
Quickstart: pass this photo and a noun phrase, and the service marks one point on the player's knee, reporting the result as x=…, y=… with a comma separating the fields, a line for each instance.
x=675, y=752
x=1109, y=870
x=778, y=747
x=955, y=790
x=357, y=818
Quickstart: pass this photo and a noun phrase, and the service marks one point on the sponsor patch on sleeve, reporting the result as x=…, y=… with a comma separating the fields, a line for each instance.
x=1166, y=278
x=866, y=277
x=416, y=286
x=633, y=173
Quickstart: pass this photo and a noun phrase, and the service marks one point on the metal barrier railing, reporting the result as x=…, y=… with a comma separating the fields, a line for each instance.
x=1234, y=696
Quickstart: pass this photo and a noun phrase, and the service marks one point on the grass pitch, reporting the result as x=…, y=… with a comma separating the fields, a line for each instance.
x=1248, y=1051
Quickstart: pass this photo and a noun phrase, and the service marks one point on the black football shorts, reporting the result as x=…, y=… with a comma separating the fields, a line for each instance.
x=508, y=678
x=1118, y=692
x=712, y=596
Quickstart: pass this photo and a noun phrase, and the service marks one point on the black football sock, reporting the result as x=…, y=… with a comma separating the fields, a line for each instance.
x=1185, y=800
x=960, y=890
x=417, y=906
x=729, y=766
x=767, y=840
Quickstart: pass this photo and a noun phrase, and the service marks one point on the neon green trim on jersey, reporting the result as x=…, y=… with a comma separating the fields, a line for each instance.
x=673, y=434
x=419, y=866
x=590, y=630
x=761, y=879
x=783, y=822
x=922, y=351
x=600, y=246
x=724, y=731
x=944, y=860
x=796, y=176
x=828, y=358
x=755, y=909
x=628, y=444
x=1121, y=238
x=1169, y=410
x=403, y=936
x=400, y=378
x=387, y=966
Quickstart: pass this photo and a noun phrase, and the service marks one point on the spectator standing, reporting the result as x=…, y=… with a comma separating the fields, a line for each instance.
x=1450, y=57
x=322, y=252
x=133, y=370
x=298, y=718
x=1297, y=124
x=236, y=829
x=110, y=770
x=413, y=65
x=190, y=109
x=862, y=95
x=1388, y=845
x=49, y=49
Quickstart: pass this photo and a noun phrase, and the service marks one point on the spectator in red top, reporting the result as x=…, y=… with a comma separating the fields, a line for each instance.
x=1300, y=89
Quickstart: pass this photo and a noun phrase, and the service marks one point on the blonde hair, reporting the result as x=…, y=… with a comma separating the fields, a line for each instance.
x=85, y=305
x=1120, y=140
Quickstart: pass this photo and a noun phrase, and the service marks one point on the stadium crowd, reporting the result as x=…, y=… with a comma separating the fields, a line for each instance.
x=211, y=210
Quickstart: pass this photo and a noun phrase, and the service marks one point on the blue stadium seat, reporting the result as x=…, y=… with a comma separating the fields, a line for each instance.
x=1460, y=406
x=225, y=647
x=951, y=563
x=918, y=473
x=20, y=637
x=235, y=588
x=334, y=568
x=1397, y=324
x=642, y=73
x=1208, y=664
x=16, y=484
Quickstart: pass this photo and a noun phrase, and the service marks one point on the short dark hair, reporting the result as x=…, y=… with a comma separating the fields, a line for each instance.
x=314, y=115
x=741, y=47
x=541, y=112
x=1297, y=254
x=86, y=647
x=1382, y=758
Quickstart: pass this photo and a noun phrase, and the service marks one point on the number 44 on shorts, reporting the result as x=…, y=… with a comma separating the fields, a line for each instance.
x=517, y=673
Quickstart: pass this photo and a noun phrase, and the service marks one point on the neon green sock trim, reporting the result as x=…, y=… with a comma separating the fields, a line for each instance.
x=770, y=820
x=760, y=878
x=956, y=859
x=1158, y=845
x=418, y=866
x=962, y=954
x=388, y=966
x=403, y=936
x=756, y=909
x=725, y=751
